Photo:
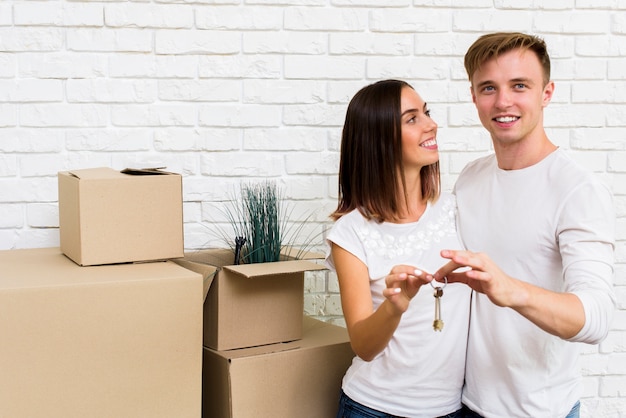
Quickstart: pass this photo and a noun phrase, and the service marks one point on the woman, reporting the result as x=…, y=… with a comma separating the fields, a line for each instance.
x=391, y=223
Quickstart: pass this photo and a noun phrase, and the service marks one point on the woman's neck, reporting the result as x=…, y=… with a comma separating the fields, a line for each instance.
x=412, y=204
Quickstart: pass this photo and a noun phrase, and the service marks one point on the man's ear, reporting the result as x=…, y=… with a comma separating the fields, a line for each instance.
x=548, y=92
x=472, y=93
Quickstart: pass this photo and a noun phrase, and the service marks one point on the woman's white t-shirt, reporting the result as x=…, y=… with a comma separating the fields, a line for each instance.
x=420, y=372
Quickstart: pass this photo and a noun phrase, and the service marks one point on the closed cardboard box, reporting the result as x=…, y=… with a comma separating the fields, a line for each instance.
x=298, y=379
x=251, y=304
x=104, y=341
x=107, y=216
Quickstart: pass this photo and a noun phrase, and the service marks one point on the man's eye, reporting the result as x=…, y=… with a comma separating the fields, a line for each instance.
x=427, y=113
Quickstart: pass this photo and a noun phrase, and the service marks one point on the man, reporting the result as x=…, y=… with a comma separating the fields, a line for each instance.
x=539, y=233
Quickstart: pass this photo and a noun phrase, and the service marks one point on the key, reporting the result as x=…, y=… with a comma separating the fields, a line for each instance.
x=438, y=322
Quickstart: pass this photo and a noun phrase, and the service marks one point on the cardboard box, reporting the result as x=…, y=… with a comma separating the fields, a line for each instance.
x=107, y=216
x=105, y=341
x=298, y=379
x=251, y=304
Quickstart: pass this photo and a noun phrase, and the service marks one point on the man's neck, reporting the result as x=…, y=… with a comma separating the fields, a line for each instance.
x=522, y=154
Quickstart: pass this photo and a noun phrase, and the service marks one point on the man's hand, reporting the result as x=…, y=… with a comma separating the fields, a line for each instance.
x=483, y=276
x=557, y=313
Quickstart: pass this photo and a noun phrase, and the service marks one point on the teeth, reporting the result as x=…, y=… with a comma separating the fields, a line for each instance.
x=506, y=119
x=428, y=143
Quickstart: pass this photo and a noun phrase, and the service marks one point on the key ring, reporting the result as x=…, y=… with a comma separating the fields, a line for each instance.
x=445, y=283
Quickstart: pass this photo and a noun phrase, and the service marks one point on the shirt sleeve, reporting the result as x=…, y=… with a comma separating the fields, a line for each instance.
x=586, y=237
x=344, y=234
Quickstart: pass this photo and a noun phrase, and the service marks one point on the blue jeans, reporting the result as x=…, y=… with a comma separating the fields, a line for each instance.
x=468, y=413
x=352, y=409
x=575, y=412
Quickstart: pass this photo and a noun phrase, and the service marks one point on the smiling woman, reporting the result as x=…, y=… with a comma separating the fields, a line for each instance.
x=391, y=223
x=372, y=173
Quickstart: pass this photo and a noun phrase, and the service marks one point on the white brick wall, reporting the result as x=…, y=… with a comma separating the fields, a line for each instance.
x=229, y=90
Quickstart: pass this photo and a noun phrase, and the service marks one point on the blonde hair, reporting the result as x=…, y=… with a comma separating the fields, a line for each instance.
x=492, y=45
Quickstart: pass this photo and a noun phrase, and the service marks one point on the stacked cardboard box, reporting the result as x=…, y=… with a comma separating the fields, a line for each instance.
x=108, y=216
x=98, y=336
x=104, y=341
x=262, y=357
x=114, y=339
x=251, y=304
x=295, y=379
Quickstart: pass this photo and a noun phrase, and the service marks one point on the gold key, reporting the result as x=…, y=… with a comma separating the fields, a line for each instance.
x=438, y=323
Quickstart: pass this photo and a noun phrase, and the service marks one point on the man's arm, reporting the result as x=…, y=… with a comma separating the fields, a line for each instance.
x=560, y=314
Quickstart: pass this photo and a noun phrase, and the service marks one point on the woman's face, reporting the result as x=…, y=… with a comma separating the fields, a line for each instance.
x=419, y=131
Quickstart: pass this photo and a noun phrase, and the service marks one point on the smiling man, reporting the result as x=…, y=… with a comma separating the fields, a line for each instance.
x=539, y=234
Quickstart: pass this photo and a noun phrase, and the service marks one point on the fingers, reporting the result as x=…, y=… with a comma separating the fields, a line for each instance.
x=457, y=256
x=401, y=275
x=476, y=261
x=404, y=280
x=453, y=278
x=391, y=291
x=400, y=287
x=476, y=270
x=446, y=270
x=458, y=259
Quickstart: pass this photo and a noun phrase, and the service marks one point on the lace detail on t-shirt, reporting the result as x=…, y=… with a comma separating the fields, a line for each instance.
x=421, y=235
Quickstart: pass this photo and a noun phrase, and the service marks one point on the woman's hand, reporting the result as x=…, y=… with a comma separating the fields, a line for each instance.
x=403, y=283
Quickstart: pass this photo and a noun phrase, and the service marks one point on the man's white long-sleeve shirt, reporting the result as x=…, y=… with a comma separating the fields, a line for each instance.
x=552, y=225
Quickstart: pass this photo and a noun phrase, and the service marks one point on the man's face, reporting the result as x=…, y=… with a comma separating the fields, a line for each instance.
x=510, y=95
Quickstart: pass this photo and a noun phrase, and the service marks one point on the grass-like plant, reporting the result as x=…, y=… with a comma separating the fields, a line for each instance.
x=261, y=224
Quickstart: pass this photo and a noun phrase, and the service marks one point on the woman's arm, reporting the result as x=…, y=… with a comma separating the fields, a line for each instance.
x=370, y=330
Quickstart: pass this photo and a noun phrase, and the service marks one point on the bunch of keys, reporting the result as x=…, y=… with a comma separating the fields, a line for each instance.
x=438, y=322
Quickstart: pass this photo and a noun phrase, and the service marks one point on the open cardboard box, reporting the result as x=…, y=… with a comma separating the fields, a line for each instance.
x=250, y=304
x=107, y=216
x=122, y=340
x=296, y=379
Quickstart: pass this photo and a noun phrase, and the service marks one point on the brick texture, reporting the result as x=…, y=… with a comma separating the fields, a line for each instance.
x=225, y=91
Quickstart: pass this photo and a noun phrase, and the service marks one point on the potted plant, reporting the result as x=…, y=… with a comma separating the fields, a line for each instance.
x=263, y=230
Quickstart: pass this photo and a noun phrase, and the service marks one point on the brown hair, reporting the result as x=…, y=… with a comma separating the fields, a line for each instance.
x=371, y=155
x=492, y=45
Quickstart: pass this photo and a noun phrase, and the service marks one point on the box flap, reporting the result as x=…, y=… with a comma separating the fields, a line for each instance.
x=109, y=173
x=257, y=270
x=223, y=257
x=322, y=333
x=145, y=171
x=207, y=271
x=95, y=173
x=216, y=257
x=316, y=333
x=260, y=350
